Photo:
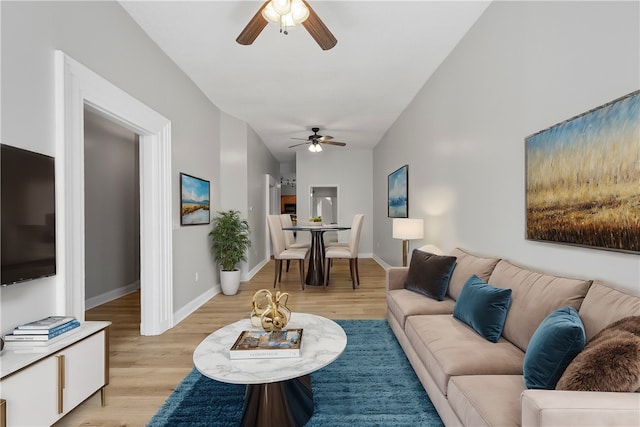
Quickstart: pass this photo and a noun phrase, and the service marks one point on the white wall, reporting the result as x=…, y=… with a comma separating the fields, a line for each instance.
x=349, y=170
x=103, y=37
x=233, y=164
x=243, y=163
x=260, y=162
x=112, y=208
x=523, y=67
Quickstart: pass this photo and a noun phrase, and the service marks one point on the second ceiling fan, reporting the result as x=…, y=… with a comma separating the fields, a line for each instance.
x=315, y=140
x=288, y=13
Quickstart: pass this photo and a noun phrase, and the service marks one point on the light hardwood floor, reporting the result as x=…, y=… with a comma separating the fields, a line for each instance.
x=145, y=370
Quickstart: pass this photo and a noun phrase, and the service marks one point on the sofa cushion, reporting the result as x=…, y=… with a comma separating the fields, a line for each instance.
x=483, y=307
x=444, y=344
x=429, y=274
x=604, y=305
x=558, y=339
x=548, y=293
x=610, y=361
x=467, y=265
x=486, y=400
x=402, y=303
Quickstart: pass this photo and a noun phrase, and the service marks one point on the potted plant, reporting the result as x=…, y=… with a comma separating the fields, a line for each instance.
x=230, y=241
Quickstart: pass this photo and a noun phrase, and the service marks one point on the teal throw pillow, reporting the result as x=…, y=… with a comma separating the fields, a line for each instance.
x=554, y=344
x=429, y=274
x=483, y=307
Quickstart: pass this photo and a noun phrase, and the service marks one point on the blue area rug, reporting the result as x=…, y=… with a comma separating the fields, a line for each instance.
x=370, y=384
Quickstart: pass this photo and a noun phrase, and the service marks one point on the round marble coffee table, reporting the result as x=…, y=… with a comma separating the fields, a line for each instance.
x=278, y=390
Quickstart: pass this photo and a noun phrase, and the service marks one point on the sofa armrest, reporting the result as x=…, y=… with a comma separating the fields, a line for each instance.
x=579, y=408
x=396, y=277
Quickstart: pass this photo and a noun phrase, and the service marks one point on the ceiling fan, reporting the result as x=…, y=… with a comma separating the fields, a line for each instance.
x=315, y=140
x=287, y=13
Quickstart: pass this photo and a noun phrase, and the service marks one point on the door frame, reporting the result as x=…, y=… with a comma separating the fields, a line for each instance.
x=75, y=87
x=272, y=203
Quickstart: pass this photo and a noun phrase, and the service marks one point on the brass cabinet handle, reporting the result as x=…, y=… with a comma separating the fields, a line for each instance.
x=3, y=413
x=61, y=376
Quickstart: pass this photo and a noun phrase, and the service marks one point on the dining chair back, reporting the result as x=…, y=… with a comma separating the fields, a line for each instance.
x=354, y=236
x=290, y=240
x=280, y=251
x=350, y=252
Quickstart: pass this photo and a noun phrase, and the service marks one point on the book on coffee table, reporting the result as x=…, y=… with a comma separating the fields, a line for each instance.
x=259, y=344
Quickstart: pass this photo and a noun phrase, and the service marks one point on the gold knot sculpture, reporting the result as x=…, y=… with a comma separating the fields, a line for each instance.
x=270, y=311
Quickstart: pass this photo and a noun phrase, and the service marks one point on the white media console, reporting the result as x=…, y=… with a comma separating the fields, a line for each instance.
x=40, y=385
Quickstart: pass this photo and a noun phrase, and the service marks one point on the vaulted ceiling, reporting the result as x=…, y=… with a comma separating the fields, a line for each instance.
x=283, y=85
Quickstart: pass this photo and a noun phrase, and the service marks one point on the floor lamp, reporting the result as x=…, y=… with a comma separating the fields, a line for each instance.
x=407, y=229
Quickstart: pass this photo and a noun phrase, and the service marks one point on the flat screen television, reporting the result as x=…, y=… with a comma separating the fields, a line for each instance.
x=27, y=212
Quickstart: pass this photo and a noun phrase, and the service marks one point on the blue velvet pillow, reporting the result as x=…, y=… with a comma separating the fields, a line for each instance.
x=554, y=344
x=483, y=307
x=429, y=274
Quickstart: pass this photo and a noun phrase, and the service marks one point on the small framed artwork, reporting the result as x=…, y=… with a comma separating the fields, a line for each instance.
x=195, y=194
x=582, y=179
x=398, y=193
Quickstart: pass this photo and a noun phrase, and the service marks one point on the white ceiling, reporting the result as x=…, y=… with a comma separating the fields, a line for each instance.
x=282, y=86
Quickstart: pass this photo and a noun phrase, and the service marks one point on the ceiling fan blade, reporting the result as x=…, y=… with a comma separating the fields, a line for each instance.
x=324, y=138
x=301, y=139
x=318, y=30
x=341, y=144
x=297, y=145
x=253, y=28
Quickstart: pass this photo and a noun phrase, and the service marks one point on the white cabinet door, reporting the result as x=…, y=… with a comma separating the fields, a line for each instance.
x=30, y=395
x=84, y=370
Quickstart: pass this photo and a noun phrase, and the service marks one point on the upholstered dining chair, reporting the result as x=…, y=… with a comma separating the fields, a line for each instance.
x=349, y=252
x=290, y=241
x=280, y=252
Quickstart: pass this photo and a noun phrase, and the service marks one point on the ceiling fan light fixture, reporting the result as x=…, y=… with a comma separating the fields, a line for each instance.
x=299, y=12
x=287, y=21
x=281, y=7
x=315, y=147
x=295, y=14
x=270, y=14
x=286, y=14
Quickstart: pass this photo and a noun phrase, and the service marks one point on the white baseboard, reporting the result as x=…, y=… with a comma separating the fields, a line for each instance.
x=382, y=263
x=249, y=275
x=195, y=304
x=111, y=295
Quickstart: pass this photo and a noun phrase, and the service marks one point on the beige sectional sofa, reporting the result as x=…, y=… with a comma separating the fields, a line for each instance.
x=474, y=382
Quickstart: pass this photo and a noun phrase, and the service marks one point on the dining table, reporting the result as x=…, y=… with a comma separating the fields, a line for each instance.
x=315, y=272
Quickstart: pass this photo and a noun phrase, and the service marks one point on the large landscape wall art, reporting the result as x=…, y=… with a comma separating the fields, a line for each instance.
x=583, y=179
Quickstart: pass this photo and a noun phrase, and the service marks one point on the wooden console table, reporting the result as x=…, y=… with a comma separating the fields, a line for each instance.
x=40, y=385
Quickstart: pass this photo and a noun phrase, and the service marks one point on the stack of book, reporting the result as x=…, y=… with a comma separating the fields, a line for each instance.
x=43, y=332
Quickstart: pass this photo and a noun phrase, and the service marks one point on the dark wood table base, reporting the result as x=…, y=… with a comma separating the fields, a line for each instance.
x=315, y=273
x=279, y=404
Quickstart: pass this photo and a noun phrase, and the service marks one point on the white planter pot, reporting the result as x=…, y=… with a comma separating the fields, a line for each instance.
x=230, y=281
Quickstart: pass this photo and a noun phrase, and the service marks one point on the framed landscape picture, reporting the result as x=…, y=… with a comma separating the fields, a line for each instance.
x=195, y=194
x=582, y=179
x=398, y=193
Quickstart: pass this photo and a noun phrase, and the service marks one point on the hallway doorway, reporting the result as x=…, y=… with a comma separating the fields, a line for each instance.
x=112, y=210
x=76, y=87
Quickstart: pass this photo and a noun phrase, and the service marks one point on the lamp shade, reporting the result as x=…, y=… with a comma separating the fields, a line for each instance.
x=282, y=7
x=315, y=148
x=270, y=15
x=408, y=228
x=299, y=11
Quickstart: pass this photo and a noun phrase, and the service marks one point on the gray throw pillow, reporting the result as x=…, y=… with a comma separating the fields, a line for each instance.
x=429, y=274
